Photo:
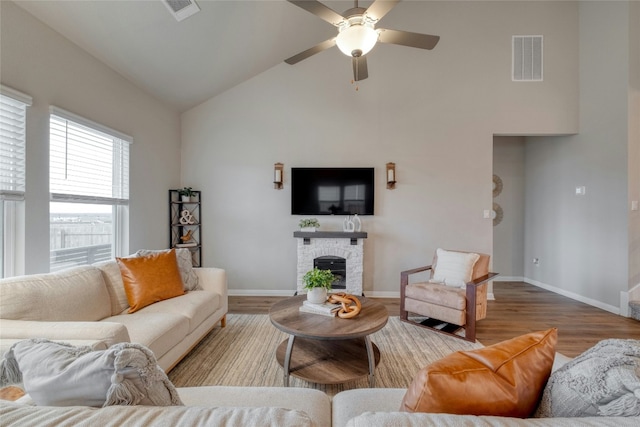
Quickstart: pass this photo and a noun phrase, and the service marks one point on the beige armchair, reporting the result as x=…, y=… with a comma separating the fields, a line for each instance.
x=455, y=296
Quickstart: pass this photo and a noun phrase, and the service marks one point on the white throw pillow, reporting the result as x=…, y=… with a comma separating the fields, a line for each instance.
x=454, y=268
x=59, y=374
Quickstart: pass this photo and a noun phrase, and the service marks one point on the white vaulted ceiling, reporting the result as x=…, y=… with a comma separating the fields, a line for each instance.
x=185, y=63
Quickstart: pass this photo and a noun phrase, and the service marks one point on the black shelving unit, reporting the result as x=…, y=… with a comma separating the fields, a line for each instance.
x=185, y=224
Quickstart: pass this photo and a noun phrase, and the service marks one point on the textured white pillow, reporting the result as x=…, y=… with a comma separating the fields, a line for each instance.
x=59, y=374
x=454, y=268
x=185, y=266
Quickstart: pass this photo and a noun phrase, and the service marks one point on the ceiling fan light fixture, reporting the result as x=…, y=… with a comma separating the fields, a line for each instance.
x=357, y=37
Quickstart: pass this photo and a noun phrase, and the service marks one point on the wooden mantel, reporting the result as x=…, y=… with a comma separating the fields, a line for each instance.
x=308, y=235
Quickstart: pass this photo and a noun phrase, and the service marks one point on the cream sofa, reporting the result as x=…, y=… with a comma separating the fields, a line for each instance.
x=277, y=407
x=87, y=305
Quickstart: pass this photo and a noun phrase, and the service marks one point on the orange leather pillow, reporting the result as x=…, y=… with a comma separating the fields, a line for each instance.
x=506, y=379
x=150, y=279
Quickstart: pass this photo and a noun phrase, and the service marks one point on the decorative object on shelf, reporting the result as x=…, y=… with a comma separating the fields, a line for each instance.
x=309, y=224
x=186, y=217
x=185, y=194
x=317, y=282
x=357, y=224
x=351, y=305
x=497, y=214
x=352, y=224
x=278, y=176
x=187, y=236
x=347, y=225
x=187, y=245
x=497, y=185
x=391, y=176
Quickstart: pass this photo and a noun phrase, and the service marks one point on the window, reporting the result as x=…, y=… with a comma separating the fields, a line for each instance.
x=13, y=117
x=89, y=186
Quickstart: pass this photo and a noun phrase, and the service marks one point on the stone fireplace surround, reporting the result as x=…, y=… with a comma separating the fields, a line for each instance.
x=347, y=245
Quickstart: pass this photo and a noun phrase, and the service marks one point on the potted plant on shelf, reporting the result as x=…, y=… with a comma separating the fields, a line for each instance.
x=186, y=193
x=309, y=224
x=318, y=283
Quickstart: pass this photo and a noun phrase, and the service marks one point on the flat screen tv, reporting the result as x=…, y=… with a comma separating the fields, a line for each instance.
x=332, y=191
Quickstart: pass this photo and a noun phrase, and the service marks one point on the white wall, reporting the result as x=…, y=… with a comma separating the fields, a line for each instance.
x=41, y=63
x=433, y=113
x=634, y=146
x=508, y=235
x=582, y=241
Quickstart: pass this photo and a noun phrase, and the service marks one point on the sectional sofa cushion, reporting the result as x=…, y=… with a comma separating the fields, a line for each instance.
x=158, y=331
x=400, y=419
x=196, y=306
x=45, y=416
x=59, y=374
x=150, y=279
x=504, y=379
x=115, y=286
x=80, y=295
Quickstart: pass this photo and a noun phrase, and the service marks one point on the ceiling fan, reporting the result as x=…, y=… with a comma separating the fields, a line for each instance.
x=357, y=33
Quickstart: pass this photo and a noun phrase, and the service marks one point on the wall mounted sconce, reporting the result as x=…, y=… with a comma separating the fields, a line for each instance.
x=278, y=176
x=391, y=176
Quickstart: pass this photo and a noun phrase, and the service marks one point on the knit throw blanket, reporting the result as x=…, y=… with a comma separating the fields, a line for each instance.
x=602, y=381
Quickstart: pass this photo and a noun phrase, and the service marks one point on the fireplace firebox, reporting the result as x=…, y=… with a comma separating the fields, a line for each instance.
x=338, y=267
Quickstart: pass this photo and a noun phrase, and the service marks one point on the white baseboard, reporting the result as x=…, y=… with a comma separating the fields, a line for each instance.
x=288, y=293
x=261, y=293
x=509, y=279
x=574, y=296
x=382, y=294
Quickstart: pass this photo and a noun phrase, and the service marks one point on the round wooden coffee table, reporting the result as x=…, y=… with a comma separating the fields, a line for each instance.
x=327, y=350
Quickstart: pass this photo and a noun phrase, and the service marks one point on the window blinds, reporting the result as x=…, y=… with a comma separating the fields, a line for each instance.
x=13, y=114
x=88, y=163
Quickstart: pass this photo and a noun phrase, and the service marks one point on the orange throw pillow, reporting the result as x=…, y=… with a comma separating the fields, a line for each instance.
x=150, y=279
x=506, y=379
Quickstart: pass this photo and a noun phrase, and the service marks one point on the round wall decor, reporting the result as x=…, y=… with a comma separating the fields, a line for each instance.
x=497, y=214
x=497, y=185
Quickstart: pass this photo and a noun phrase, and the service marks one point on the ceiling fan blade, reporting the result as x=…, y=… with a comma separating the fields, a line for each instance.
x=379, y=8
x=360, y=71
x=311, y=51
x=320, y=10
x=406, y=38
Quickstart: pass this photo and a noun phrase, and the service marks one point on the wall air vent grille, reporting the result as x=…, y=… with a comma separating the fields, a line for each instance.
x=527, y=59
x=182, y=9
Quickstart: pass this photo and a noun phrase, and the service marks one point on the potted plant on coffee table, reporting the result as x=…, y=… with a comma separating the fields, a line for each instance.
x=318, y=283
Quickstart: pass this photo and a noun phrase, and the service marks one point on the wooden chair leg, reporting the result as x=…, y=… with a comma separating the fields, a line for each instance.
x=470, y=327
x=223, y=321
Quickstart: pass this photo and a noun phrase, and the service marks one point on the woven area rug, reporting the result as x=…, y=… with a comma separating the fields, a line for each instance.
x=243, y=354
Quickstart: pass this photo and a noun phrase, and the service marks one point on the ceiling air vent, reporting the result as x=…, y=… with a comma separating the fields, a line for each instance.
x=182, y=9
x=527, y=59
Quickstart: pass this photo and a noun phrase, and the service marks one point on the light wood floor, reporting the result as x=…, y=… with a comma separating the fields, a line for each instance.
x=519, y=308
